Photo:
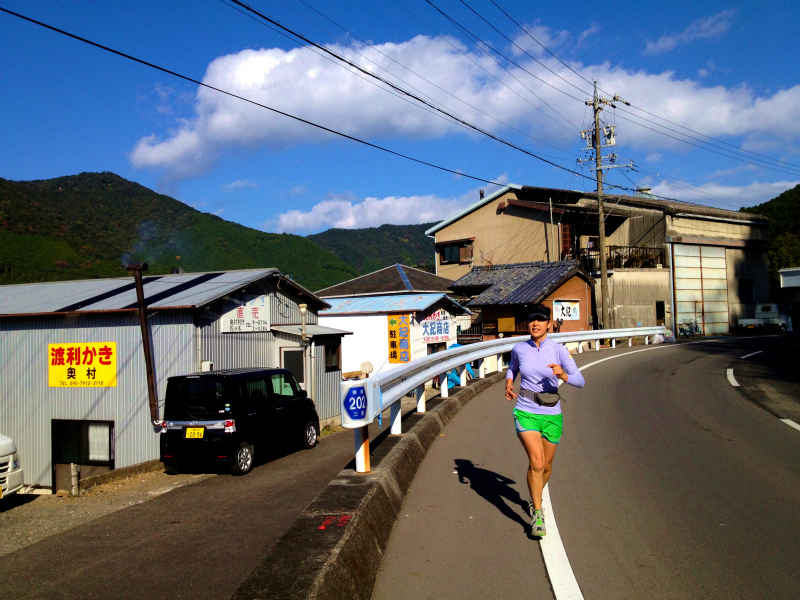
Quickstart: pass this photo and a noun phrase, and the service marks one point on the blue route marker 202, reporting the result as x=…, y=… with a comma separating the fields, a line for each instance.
x=355, y=403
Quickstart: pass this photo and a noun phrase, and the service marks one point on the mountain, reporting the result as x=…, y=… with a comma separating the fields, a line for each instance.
x=374, y=248
x=784, y=230
x=88, y=225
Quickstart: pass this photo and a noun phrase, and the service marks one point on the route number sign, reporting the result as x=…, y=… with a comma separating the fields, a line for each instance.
x=355, y=403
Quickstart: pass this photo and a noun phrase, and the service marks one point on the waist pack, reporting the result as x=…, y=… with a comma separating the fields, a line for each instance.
x=541, y=398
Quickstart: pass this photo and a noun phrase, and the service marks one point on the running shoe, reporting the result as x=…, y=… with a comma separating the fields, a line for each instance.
x=530, y=508
x=537, y=523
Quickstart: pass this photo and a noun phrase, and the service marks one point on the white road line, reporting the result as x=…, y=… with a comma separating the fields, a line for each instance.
x=565, y=586
x=732, y=379
x=791, y=423
x=751, y=354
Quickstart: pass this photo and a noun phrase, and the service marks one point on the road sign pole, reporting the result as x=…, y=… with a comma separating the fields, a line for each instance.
x=361, y=436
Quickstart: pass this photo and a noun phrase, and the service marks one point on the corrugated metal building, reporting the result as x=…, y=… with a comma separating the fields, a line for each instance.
x=56, y=339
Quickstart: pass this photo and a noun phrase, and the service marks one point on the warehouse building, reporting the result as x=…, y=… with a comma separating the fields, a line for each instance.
x=73, y=384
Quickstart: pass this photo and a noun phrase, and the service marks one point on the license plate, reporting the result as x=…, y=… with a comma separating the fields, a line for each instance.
x=194, y=432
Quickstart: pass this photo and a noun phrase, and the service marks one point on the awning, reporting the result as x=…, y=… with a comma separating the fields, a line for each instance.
x=311, y=330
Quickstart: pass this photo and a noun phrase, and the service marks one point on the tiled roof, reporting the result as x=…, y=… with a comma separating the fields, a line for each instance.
x=395, y=279
x=523, y=283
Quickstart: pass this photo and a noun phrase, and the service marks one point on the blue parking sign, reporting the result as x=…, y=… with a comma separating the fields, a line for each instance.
x=355, y=403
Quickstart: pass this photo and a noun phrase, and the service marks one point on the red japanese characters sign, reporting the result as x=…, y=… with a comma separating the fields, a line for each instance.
x=82, y=365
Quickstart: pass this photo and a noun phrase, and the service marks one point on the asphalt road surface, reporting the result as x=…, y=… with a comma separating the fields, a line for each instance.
x=670, y=482
x=198, y=541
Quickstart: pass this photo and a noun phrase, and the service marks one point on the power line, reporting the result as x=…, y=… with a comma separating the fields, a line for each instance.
x=520, y=48
x=738, y=150
x=482, y=46
x=275, y=110
x=366, y=43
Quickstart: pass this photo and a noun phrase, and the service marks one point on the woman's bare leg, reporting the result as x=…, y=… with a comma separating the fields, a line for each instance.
x=540, y=463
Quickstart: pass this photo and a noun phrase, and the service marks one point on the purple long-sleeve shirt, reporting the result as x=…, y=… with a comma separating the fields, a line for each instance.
x=531, y=362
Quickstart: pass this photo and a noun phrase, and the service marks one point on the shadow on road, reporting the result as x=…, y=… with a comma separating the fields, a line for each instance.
x=493, y=488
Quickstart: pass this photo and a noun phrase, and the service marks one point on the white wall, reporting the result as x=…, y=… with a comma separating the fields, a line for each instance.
x=369, y=342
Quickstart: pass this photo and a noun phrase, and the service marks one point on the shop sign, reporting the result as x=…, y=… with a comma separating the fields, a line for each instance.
x=92, y=364
x=248, y=317
x=438, y=328
x=399, y=338
x=566, y=310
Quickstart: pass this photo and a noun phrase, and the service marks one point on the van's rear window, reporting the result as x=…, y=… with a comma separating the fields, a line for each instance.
x=189, y=399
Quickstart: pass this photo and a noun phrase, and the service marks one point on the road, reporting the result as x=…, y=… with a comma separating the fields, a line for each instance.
x=198, y=541
x=669, y=483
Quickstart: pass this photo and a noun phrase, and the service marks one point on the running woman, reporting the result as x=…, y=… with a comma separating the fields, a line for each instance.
x=541, y=363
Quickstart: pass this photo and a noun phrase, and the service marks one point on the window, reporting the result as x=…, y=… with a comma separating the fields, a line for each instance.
x=283, y=385
x=455, y=253
x=333, y=356
x=746, y=291
x=83, y=442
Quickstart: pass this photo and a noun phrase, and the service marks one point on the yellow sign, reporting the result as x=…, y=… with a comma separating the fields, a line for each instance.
x=82, y=365
x=399, y=338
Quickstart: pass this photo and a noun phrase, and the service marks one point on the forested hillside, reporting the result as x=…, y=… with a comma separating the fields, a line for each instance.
x=784, y=230
x=88, y=225
x=373, y=248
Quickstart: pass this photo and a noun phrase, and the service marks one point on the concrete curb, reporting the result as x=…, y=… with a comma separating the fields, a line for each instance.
x=335, y=547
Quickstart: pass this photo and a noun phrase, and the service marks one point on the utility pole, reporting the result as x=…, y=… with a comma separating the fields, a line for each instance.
x=597, y=143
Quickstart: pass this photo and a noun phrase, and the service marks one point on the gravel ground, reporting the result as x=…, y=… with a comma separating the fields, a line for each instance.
x=26, y=519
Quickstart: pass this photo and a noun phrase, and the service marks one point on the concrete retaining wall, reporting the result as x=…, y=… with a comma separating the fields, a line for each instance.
x=335, y=548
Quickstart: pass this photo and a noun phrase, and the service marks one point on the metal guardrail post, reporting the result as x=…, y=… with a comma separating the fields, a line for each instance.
x=421, y=399
x=481, y=368
x=597, y=345
x=613, y=342
x=395, y=413
x=443, y=385
x=463, y=375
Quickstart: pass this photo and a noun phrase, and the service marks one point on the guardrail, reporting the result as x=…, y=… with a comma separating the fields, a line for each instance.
x=363, y=401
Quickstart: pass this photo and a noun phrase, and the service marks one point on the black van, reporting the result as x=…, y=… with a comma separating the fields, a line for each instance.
x=223, y=416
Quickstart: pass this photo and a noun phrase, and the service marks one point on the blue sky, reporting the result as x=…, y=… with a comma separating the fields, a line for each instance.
x=724, y=69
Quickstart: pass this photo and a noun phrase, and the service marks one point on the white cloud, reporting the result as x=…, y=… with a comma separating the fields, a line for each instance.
x=587, y=33
x=545, y=36
x=239, y=183
x=700, y=29
x=653, y=156
x=304, y=84
x=346, y=211
x=724, y=196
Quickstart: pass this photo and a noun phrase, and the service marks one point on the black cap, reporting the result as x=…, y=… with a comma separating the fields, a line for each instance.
x=539, y=311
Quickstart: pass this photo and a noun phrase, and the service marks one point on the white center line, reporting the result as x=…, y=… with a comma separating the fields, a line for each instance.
x=751, y=354
x=791, y=423
x=565, y=586
x=732, y=379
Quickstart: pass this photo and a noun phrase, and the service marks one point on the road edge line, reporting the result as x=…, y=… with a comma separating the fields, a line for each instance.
x=791, y=423
x=562, y=578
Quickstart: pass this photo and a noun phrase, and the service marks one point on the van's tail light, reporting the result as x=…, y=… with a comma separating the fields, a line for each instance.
x=163, y=427
x=230, y=426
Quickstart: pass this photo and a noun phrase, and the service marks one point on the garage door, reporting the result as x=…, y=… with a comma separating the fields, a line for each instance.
x=701, y=287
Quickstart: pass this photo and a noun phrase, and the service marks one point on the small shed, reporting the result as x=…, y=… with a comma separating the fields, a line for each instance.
x=73, y=385
x=503, y=294
x=394, y=329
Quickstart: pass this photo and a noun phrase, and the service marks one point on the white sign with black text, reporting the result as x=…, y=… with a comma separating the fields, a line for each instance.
x=249, y=317
x=567, y=310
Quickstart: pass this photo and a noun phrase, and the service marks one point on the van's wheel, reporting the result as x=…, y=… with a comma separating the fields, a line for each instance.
x=243, y=460
x=310, y=433
x=170, y=469
x=783, y=328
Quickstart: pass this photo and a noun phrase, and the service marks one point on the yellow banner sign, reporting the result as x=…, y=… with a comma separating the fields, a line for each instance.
x=399, y=338
x=82, y=365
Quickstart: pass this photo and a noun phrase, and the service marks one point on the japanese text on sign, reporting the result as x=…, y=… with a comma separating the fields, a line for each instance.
x=249, y=317
x=437, y=327
x=567, y=310
x=399, y=338
x=82, y=365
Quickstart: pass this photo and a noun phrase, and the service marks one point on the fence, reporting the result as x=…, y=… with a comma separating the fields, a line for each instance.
x=363, y=401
